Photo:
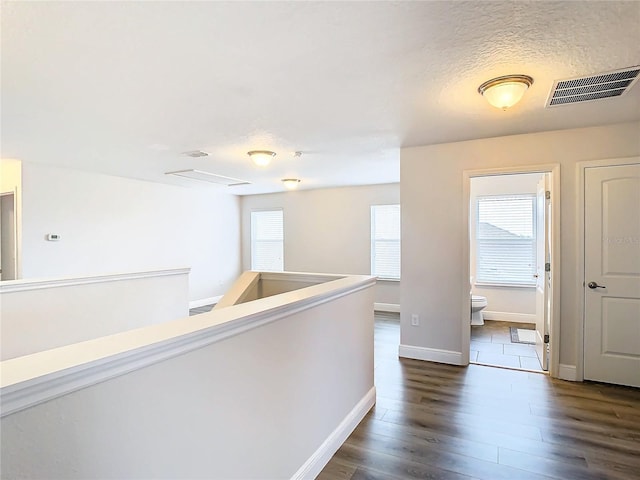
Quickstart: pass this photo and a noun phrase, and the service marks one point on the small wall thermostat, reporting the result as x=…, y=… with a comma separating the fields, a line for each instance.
x=53, y=237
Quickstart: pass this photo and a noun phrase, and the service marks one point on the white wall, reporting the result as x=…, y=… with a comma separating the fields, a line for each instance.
x=326, y=230
x=111, y=224
x=501, y=300
x=432, y=223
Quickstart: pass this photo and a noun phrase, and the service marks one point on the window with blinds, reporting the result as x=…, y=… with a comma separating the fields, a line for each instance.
x=506, y=240
x=267, y=241
x=385, y=241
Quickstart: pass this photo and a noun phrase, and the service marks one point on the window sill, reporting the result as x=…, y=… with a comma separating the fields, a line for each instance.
x=502, y=285
x=381, y=279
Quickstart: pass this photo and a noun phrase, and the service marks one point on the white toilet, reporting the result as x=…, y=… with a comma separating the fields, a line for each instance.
x=478, y=303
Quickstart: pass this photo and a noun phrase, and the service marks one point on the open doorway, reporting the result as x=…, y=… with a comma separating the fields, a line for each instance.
x=510, y=250
x=8, y=238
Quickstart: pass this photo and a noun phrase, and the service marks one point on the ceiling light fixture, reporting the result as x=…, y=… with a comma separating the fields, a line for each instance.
x=291, y=183
x=505, y=92
x=261, y=158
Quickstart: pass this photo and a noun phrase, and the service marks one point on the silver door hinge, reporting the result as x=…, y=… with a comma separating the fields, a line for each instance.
x=547, y=267
x=547, y=195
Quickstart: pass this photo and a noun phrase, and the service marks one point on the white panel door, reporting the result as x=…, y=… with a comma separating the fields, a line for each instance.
x=612, y=274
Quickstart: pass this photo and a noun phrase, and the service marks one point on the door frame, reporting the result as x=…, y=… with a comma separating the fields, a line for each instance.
x=543, y=249
x=554, y=328
x=580, y=260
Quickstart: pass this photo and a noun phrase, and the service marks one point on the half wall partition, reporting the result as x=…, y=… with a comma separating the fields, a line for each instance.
x=268, y=388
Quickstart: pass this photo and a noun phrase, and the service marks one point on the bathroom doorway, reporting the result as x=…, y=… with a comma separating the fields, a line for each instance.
x=510, y=227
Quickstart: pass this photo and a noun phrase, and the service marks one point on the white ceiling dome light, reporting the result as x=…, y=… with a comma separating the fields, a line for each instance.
x=504, y=92
x=291, y=183
x=261, y=158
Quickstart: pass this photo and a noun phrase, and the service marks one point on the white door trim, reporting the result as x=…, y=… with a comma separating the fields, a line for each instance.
x=554, y=170
x=580, y=199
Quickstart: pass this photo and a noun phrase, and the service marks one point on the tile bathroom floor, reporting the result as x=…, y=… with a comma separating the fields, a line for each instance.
x=491, y=345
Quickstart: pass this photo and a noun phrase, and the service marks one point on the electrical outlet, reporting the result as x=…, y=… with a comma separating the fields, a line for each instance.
x=415, y=319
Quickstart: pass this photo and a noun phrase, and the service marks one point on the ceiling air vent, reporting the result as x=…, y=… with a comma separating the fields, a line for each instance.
x=208, y=177
x=196, y=153
x=594, y=87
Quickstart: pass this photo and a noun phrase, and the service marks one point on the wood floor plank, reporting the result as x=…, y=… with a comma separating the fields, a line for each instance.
x=337, y=470
x=463, y=421
x=443, y=425
x=416, y=453
x=602, y=442
x=431, y=439
x=615, y=465
x=481, y=444
x=547, y=466
x=392, y=465
x=586, y=420
x=363, y=473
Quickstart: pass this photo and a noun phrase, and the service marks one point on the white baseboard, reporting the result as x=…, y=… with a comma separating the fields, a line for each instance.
x=567, y=372
x=204, y=301
x=386, y=307
x=316, y=462
x=430, y=354
x=509, y=317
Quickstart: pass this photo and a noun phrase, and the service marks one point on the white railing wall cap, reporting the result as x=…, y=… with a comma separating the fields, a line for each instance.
x=300, y=276
x=33, y=379
x=24, y=284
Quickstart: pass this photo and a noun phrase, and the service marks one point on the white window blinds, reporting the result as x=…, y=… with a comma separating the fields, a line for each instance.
x=385, y=241
x=267, y=241
x=506, y=240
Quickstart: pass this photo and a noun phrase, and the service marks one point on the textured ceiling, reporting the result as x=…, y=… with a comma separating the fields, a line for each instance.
x=125, y=87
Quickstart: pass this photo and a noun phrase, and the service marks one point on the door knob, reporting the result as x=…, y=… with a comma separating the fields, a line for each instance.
x=594, y=285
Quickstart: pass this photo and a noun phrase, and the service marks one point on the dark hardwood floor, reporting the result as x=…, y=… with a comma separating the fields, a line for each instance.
x=439, y=421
